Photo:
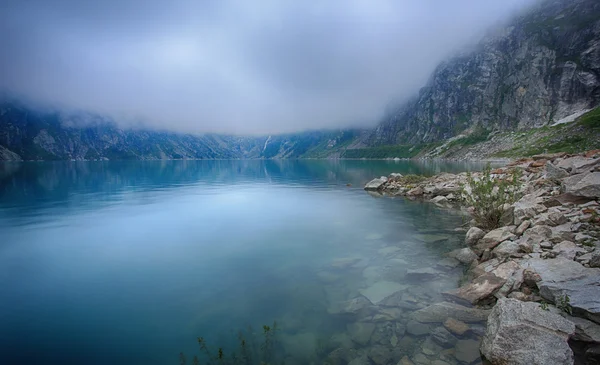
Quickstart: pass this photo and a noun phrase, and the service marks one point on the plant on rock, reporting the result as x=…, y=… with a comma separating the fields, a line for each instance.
x=488, y=196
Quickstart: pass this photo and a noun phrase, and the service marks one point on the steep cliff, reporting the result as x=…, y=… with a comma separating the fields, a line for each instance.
x=544, y=67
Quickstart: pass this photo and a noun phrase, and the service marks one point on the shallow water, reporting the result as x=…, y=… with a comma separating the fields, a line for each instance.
x=129, y=262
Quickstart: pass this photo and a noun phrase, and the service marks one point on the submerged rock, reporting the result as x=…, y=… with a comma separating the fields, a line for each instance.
x=523, y=333
x=381, y=290
x=439, y=312
x=360, y=332
x=455, y=326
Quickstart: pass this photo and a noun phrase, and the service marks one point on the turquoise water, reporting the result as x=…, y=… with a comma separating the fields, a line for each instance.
x=129, y=262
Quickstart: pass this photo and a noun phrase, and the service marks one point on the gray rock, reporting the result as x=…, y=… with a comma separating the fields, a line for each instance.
x=568, y=250
x=430, y=347
x=381, y=290
x=360, y=332
x=443, y=337
x=585, y=331
x=522, y=333
x=423, y=273
x=554, y=172
x=506, y=249
x=467, y=351
x=376, y=184
x=560, y=277
x=417, y=328
x=528, y=207
x=380, y=355
x=493, y=239
x=522, y=227
x=474, y=234
x=439, y=199
x=586, y=185
x=464, y=255
x=439, y=312
x=595, y=261
x=352, y=306
x=455, y=326
x=477, y=290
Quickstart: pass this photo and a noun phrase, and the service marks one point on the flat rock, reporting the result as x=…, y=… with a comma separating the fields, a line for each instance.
x=506, y=249
x=568, y=250
x=560, y=277
x=455, y=326
x=586, y=331
x=417, y=328
x=493, y=239
x=586, y=185
x=477, y=290
x=523, y=333
x=467, y=351
x=443, y=337
x=554, y=172
x=381, y=290
x=423, y=273
x=352, y=306
x=360, y=332
x=439, y=312
x=376, y=184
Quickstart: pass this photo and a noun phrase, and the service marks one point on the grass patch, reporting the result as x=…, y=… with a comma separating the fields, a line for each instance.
x=400, y=151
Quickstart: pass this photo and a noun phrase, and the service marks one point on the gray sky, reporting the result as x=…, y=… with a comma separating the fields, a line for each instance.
x=234, y=66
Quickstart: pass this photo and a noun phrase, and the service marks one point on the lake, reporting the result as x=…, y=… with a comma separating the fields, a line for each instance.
x=130, y=262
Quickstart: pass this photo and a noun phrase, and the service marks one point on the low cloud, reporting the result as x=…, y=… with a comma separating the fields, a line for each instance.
x=234, y=66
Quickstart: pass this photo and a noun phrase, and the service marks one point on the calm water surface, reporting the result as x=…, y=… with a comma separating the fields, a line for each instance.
x=129, y=262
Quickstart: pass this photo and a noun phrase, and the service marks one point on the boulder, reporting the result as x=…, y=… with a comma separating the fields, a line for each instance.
x=442, y=337
x=585, y=331
x=586, y=185
x=560, y=278
x=376, y=184
x=417, y=328
x=577, y=164
x=418, y=191
x=477, y=290
x=554, y=172
x=568, y=250
x=380, y=355
x=528, y=207
x=523, y=333
x=474, y=234
x=595, y=261
x=439, y=312
x=506, y=249
x=440, y=199
x=493, y=238
x=467, y=351
x=522, y=227
x=464, y=255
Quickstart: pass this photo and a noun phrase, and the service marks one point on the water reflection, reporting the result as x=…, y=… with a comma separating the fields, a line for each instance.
x=127, y=262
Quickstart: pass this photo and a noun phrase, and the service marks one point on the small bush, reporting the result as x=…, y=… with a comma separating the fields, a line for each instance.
x=488, y=196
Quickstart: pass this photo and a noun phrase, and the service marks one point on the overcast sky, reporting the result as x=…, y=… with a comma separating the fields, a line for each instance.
x=234, y=66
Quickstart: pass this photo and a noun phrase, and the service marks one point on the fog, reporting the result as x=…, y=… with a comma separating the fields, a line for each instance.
x=234, y=66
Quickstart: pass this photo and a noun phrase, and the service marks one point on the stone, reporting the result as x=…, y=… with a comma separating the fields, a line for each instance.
x=418, y=191
x=440, y=199
x=477, y=290
x=554, y=172
x=352, y=306
x=528, y=207
x=376, y=184
x=568, y=250
x=585, y=331
x=439, y=312
x=448, y=263
x=522, y=227
x=405, y=361
x=486, y=267
x=506, y=249
x=360, y=332
x=423, y=273
x=362, y=360
x=381, y=290
x=506, y=270
x=586, y=185
x=560, y=277
x=380, y=355
x=430, y=347
x=455, y=326
x=443, y=337
x=467, y=351
x=595, y=260
x=523, y=333
x=417, y=328
x=493, y=239
x=464, y=255
x=474, y=234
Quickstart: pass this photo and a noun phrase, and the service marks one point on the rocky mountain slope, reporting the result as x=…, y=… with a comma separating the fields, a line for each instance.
x=542, y=68
x=30, y=134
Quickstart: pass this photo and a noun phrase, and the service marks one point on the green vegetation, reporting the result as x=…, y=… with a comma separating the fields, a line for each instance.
x=488, y=196
x=564, y=303
x=249, y=352
x=478, y=136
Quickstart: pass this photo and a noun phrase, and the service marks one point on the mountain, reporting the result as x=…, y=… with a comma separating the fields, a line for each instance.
x=543, y=67
x=32, y=134
x=527, y=88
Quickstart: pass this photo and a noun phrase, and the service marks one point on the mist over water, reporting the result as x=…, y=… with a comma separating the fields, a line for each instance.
x=129, y=262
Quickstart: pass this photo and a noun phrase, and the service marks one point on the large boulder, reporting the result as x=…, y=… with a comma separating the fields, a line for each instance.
x=376, y=184
x=493, y=239
x=586, y=185
x=561, y=278
x=522, y=333
x=474, y=234
x=464, y=255
x=555, y=173
x=528, y=207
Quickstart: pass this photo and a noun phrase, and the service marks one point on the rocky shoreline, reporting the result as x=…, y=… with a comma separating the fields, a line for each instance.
x=536, y=277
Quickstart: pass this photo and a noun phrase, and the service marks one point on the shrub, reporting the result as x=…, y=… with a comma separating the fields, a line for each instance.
x=488, y=196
